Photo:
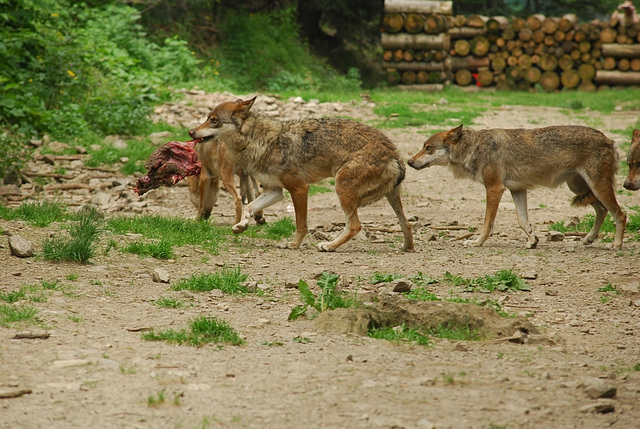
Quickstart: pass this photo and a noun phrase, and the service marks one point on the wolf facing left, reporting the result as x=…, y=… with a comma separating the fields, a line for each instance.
x=294, y=154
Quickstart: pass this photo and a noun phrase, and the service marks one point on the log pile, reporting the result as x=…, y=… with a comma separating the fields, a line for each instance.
x=424, y=43
x=416, y=43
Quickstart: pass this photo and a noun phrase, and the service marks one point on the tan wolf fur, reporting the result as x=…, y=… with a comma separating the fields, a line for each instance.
x=521, y=159
x=633, y=159
x=217, y=164
x=293, y=154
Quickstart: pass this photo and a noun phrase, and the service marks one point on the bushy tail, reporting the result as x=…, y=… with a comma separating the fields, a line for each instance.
x=584, y=199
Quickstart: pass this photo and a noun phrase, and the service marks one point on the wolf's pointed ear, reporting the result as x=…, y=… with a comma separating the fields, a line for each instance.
x=243, y=107
x=636, y=133
x=454, y=134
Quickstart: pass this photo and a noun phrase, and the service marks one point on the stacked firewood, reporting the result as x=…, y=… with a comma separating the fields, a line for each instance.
x=416, y=42
x=548, y=53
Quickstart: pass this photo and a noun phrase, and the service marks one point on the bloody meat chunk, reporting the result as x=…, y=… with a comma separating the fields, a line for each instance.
x=169, y=164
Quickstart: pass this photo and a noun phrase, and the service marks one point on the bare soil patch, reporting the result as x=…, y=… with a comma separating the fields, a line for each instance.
x=94, y=370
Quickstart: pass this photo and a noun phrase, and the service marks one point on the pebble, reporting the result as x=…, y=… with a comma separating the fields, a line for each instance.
x=20, y=246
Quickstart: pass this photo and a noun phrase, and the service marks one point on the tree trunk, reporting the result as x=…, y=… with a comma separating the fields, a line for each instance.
x=434, y=24
x=532, y=75
x=465, y=32
x=570, y=78
x=393, y=77
x=413, y=23
x=463, y=77
x=617, y=78
x=422, y=6
x=480, y=46
x=620, y=51
x=392, y=22
x=415, y=41
x=461, y=47
x=485, y=77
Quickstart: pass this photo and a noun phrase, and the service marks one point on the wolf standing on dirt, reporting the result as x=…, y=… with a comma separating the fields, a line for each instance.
x=521, y=159
x=293, y=154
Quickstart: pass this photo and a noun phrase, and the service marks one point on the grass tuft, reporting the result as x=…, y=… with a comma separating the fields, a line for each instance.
x=203, y=330
x=228, y=280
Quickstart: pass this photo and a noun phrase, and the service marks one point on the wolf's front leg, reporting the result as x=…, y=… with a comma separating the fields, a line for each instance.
x=268, y=197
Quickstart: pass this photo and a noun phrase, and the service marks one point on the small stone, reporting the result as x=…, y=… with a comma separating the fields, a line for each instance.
x=601, y=407
x=216, y=293
x=597, y=388
x=20, y=247
x=555, y=236
x=529, y=275
x=402, y=285
x=160, y=275
x=633, y=287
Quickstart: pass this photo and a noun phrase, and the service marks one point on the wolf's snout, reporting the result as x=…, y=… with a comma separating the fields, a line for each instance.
x=412, y=163
x=192, y=133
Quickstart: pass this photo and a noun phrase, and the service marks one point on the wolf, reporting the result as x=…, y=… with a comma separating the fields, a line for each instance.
x=217, y=164
x=292, y=155
x=521, y=159
x=633, y=159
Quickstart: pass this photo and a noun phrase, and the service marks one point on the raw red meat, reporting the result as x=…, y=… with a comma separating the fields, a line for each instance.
x=168, y=165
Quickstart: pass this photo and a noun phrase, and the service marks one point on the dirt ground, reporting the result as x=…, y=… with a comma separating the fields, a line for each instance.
x=95, y=370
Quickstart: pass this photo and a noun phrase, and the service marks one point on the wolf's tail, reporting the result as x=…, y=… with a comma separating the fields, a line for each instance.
x=584, y=199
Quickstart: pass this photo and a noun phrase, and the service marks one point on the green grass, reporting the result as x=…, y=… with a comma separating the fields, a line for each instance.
x=278, y=230
x=399, y=334
x=422, y=294
x=228, y=280
x=203, y=330
x=13, y=314
x=80, y=244
x=502, y=280
x=165, y=302
x=608, y=226
x=160, y=249
x=456, y=333
x=172, y=231
x=39, y=214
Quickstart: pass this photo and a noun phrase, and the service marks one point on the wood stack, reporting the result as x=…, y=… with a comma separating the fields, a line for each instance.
x=424, y=44
x=416, y=43
x=620, y=39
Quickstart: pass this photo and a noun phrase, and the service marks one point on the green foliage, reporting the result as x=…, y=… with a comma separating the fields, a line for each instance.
x=80, y=245
x=458, y=333
x=69, y=69
x=608, y=226
x=263, y=51
x=328, y=297
x=502, y=280
x=609, y=288
x=379, y=277
x=203, y=330
x=228, y=280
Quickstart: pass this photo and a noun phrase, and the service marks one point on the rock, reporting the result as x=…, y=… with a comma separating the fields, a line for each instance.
x=555, y=236
x=159, y=137
x=529, y=275
x=601, y=407
x=402, y=285
x=160, y=275
x=101, y=199
x=57, y=146
x=10, y=190
x=633, y=287
x=216, y=293
x=597, y=388
x=20, y=247
x=291, y=282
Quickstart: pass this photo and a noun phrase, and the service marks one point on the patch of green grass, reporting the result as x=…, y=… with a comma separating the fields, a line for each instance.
x=79, y=245
x=609, y=227
x=318, y=189
x=160, y=249
x=228, y=280
x=609, y=288
x=168, y=302
x=328, y=297
x=203, y=330
x=172, y=230
x=458, y=333
x=399, y=334
x=277, y=230
x=13, y=314
x=40, y=214
x=157, y=399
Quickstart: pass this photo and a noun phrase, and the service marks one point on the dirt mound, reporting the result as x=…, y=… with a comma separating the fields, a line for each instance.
x=424, y=315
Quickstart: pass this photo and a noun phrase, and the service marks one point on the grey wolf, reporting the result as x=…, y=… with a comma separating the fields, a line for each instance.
x=294, y=154
x=520, y=159
x=633, y=159
x=217, y=164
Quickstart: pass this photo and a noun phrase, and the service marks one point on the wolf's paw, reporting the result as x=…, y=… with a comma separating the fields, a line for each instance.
x=587, y=241
x=532, y=244
x=324, y=247
x=260, y=219
x=471, y=243
x=239, y=228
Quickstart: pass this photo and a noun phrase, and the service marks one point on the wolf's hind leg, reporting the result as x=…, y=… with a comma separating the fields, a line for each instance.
x=520, y=201
x=347, y=190
x=396, y=204
x=267, y=198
